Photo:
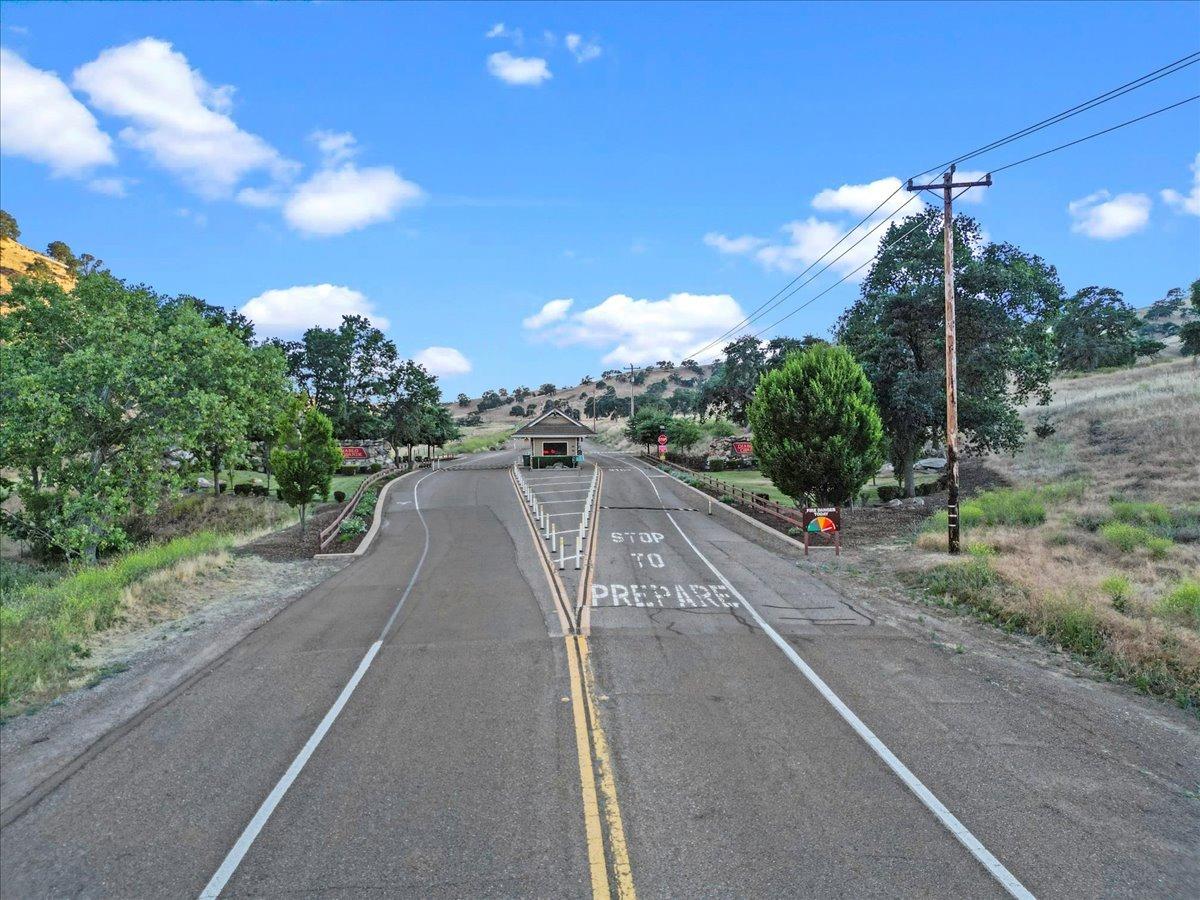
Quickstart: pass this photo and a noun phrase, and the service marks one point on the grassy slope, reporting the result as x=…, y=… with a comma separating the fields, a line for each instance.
x=47, y=615
x=1098, y=549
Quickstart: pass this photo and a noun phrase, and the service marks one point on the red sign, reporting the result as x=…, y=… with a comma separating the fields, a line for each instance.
x=743, y=447
x=662, y=440
x=354, y=453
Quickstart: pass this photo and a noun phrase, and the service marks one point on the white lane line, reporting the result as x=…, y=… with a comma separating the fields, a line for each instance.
x=237, y=853
x=581, y=490
x=559, y=515
x=548, y=502
x=960, y=831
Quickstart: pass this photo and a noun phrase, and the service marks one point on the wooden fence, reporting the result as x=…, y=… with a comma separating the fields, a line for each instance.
x=788, y=514
x=329, y=532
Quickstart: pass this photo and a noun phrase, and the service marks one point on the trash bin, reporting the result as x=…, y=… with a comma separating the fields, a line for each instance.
x=525, y=459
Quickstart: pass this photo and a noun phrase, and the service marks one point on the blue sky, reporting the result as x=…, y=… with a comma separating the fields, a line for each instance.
x=299, y=160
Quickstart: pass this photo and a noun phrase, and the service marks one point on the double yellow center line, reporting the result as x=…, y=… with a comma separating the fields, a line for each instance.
x=608, y=853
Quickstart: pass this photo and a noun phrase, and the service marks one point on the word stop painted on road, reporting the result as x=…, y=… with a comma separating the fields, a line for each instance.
x=636, y=537
x=678, y=596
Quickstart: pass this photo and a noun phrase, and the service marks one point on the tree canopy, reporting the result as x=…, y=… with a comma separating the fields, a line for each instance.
x=817, y=431
x=1004, y=299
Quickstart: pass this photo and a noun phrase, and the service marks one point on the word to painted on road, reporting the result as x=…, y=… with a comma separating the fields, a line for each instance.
x=636, y=537
x=680, y=596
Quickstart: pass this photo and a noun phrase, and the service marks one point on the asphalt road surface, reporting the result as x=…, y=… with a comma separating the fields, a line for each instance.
x=424, y=724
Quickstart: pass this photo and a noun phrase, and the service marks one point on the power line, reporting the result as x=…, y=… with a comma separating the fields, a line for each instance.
x=1095, y=134
x=775, y=300
x=1011, y=165
x=852, y=272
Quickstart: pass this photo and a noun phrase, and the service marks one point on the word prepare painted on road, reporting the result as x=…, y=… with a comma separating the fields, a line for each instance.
x=636, y=537
x=679, y=596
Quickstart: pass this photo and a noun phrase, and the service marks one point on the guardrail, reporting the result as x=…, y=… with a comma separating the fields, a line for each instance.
x=787, y=514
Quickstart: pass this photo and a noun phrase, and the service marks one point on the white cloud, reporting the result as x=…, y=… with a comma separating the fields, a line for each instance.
x=112, y=187
x=1106, y=218
x=500, y=30
x=259, y=198
x=583, y=51
x=553, y=311
x=443, y=361
x=522, y=70
x=1190, y=202
x=808, y=239
x=739, y=246
x=335, y=146
x=177, y=117
x=290, y=311
x=41, y=120
x=858, y=199
x=197, y=218
x=336, y=201
x=644, y=331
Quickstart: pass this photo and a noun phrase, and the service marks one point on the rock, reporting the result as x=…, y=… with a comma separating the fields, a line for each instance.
x=935, y=463
x=203, y=482
x=893, y=504
x=915, y=501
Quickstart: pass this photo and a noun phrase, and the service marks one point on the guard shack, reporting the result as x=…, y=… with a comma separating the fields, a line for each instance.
x=555, y=439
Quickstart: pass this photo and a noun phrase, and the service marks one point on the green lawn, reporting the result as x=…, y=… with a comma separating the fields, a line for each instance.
x=754, y=481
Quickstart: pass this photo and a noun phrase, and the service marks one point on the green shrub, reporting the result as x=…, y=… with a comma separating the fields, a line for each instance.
x=1182, y=604
x=1128, y=538
x=1119, y=590
x=716, y=464
x=351, y=527
x=242, y=490
x=339, y=496
x=726, y=498
x=1073, y=625
x=1141, y=513
x=366, y=504
x=1008, y=507
x=888, y=492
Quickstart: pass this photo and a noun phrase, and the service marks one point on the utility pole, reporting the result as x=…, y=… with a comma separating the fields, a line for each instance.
x=948, y=184
x=631, y=391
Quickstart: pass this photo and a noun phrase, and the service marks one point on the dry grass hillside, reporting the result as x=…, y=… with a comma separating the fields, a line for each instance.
x=1097, y=546
x=16, y=260
x=497, y=421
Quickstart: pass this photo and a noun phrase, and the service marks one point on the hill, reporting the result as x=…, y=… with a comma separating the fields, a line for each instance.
x=16, y=260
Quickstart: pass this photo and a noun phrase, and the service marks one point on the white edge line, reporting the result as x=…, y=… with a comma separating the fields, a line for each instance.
x=237, y=853
x=234, y=858
x=994, y=867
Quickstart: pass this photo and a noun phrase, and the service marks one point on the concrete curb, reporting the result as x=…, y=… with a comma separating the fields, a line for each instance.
x=767, y=529
x=365, y=543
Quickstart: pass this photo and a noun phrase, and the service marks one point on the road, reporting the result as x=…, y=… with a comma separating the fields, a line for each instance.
x=422, y=724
